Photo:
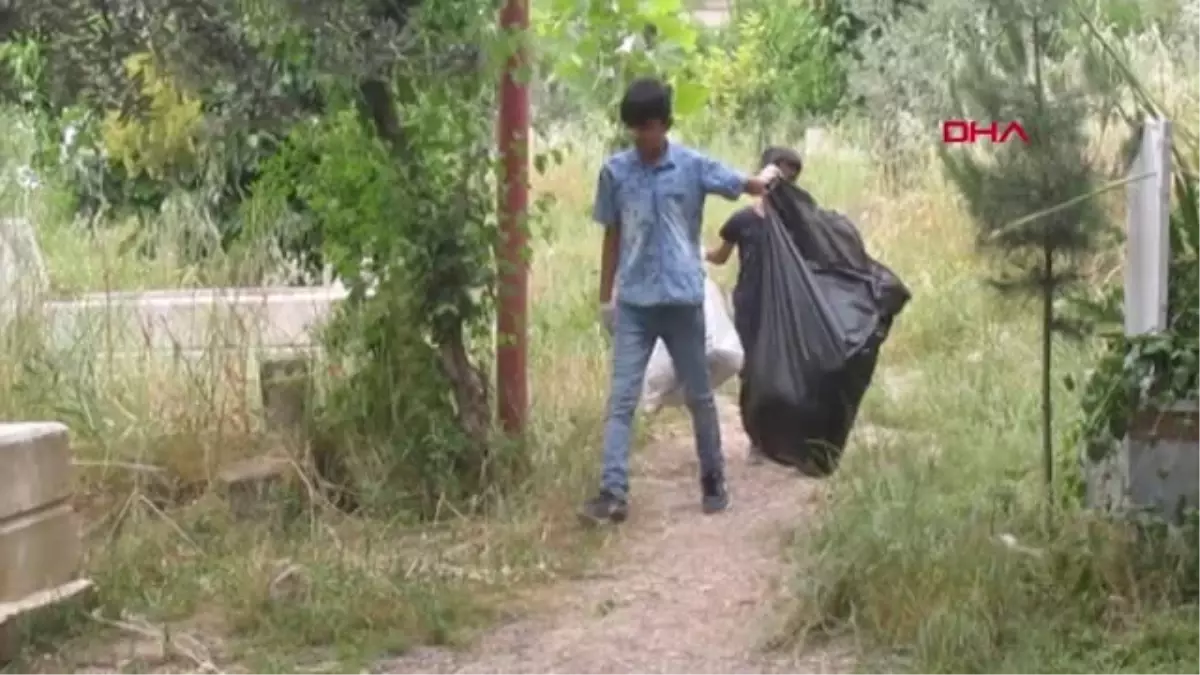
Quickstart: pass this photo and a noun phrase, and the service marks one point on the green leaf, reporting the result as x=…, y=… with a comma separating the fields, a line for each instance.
x=690, y=97
x=679, y=33
x=662, y=7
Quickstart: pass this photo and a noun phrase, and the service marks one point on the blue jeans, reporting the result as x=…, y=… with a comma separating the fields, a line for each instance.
x=636, y=331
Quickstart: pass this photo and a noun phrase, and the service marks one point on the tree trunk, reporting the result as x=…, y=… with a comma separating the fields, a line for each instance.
x=467, y=382
x=469, y=388
x=1047, y=340
x=1048, y=287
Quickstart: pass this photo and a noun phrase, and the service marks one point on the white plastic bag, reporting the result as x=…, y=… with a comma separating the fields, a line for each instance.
x=722, y=346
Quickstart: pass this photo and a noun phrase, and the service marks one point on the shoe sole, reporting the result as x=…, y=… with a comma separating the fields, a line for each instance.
x=710, y=510
x=595, y=521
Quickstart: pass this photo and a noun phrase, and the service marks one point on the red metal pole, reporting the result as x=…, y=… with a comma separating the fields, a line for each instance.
x=512, y=389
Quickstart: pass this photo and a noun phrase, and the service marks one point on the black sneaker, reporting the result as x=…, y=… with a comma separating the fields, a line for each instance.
x=714, y=496
x=604, y=508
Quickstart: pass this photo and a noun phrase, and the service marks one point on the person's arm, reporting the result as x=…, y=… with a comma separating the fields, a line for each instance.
x=718, y=179
x=606, y=213
x=610, y=255
x=720, y=254
x=731, y=233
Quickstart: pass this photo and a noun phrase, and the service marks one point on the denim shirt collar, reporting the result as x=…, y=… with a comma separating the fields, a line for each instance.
x=665, y=161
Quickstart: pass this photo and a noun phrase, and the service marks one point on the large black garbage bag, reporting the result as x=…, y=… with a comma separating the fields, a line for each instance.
x=827, y=308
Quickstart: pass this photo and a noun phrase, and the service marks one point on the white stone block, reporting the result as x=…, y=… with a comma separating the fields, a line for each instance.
x=39, y=536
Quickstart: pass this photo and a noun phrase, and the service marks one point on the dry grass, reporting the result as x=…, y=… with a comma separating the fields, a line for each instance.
x=933, y=551
x=907, y=557
x=150, y=435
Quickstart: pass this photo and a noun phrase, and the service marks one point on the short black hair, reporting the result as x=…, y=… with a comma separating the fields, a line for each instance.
x=780, y=155
x=646, y=100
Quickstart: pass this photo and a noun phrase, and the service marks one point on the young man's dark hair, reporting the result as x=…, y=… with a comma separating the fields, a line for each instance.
x=786, y=159
x=744, y=231
x=650, y=201
x=647, y=100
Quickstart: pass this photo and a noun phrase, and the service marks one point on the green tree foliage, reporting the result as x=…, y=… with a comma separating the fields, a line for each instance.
x=777, y=62
x=590, y=51
x=163, y=144
x=257, y=66
x=1030, y=201
x=398, y=175
x=362, y=134
x=899, y=70
x=417, y=253
x=1135, y=16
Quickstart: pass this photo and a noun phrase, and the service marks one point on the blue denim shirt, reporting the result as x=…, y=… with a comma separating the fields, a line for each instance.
x=660, y=209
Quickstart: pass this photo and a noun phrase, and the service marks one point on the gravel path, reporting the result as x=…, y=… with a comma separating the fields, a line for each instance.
x=681, y=592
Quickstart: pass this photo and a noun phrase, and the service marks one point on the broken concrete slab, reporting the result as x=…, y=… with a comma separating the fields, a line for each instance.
x=11, y=613
x=247, y=485
x=182, y=321
x=40, y=543
x=35, y=467
x=39, y=549
x=1154, y=468
x=287, y=385
x=23, y=276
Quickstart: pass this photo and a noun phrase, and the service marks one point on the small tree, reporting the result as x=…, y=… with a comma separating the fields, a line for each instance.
x=593, y=50
x=1030, y=201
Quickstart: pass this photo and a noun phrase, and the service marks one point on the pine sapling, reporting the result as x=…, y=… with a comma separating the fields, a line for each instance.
x=1025, y=198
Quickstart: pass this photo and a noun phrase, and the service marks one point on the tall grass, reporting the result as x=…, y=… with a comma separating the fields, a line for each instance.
x=151, y=433
x=932, y=550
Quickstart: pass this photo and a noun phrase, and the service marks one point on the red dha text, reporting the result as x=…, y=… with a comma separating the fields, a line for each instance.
x=969, y=131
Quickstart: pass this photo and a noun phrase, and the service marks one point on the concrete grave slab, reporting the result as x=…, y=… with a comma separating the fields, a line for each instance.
x=40, y=543
x=192, y=320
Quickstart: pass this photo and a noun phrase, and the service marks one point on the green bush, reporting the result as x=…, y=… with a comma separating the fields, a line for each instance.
x=777, y=62
x=413, y=240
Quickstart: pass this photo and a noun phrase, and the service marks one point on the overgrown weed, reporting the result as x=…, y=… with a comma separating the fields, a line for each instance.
x=152, y=432
x=150, y=436
x=933, y=550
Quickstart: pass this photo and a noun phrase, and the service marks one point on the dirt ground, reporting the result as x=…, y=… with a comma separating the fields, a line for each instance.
x=678, y=592
x=675, y=591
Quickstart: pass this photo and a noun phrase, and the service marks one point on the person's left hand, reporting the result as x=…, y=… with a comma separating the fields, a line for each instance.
x=608, y=316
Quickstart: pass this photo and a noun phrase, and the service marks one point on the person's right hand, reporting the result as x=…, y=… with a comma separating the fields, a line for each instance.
x=769, y=174
x=763, y=181
x=608, y=315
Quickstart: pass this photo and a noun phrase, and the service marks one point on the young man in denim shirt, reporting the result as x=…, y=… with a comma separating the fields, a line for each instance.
x=650, y=200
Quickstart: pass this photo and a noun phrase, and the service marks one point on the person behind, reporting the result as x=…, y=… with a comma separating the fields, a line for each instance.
x=650, y=202
x=744, y=231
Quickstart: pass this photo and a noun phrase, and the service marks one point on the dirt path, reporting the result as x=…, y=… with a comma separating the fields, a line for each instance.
x=679, y=591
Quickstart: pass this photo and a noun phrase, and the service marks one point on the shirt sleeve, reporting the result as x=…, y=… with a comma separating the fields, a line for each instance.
x=731, y=231
x=604, y=209
x=718, y=179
